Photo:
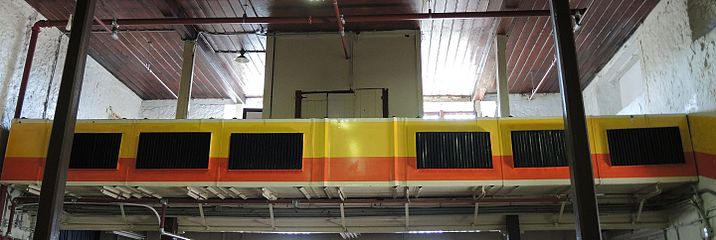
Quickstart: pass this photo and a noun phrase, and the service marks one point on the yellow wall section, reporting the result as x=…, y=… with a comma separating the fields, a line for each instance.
x=355, y=137
x=703, y=133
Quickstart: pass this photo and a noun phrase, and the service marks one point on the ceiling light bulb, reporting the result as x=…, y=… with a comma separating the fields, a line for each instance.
x=242, y=57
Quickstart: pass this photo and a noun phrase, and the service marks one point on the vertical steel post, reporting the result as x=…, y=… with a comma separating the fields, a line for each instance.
x=503, y=90
x=187, y=78
x=52, y=195
x=512, y=224
x=575, y=124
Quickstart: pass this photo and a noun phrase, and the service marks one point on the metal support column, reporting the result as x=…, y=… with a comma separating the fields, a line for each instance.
x=187, y=78
x=503, y=90
x=512, y=224
x=575, y=125
x=52, y=195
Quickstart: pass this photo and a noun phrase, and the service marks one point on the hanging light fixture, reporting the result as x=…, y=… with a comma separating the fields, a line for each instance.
x=242, y=58
x=115, y=29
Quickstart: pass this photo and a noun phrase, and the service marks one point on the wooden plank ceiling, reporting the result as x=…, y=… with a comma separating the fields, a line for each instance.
x=457, y=55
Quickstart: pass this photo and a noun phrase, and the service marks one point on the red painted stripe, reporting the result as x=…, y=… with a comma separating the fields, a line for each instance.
x=706, y=164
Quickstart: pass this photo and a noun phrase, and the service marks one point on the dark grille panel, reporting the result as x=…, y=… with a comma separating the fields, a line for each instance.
x=266, y=151
x=645, y=146
x=95, y=150
x=173, y=150
x=538, y=148
x=453, y=149
x=79, y=235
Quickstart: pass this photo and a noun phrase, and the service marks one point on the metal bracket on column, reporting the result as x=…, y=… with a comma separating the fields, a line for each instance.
x=479, y=193
x=418, y=191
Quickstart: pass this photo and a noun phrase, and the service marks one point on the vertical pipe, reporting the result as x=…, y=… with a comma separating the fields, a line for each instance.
x=503, y=90
x=63, y=127
x=575, y=124
x=297, y=104
x=26, y=71
x=187, y=78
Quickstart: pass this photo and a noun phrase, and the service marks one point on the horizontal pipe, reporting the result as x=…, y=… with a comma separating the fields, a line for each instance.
x=316, y=20
x=546, y=199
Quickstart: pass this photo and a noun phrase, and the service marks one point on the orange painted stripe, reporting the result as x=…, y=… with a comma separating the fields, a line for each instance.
x=23, y=168
x=706, y=164
x=354, y=169
x=606, y=170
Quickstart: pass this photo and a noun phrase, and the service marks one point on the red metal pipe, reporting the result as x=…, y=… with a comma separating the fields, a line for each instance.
x=28, y=66
x=341, y=28
x=10, y=219
x=322, y=19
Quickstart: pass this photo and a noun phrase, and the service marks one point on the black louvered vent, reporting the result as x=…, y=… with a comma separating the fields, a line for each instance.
x=538, y=148
x=173, y=150
x=95, y=150
x=453, y=149
x=79, y=235
x=266, y=151
x=645, y=146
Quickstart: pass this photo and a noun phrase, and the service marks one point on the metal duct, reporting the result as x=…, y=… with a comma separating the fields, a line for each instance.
x=453, y=149
x=173, y=150
x=95, y=150
x=266, y=151
x=645, y=146
x=543, y=148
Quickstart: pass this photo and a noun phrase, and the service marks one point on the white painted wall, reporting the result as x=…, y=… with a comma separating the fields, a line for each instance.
x=664, y=67
x=198, y=109
x=103, y=95
x=316, y=62
x=542, y=105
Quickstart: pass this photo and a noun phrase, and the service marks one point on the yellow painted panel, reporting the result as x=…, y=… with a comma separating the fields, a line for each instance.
x=703, y=130
x=29, y=138
x=360, y=137
x=507, y=125
x=414, y=126
x=600, y=125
